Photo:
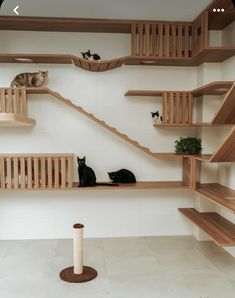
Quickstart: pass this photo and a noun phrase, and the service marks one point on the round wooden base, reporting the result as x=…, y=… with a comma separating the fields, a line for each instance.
x=68, y=275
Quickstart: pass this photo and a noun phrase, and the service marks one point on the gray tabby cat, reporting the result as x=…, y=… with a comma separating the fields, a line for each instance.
x=30, y=79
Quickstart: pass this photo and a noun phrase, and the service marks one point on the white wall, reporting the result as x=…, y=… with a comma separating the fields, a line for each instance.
x=50, y=214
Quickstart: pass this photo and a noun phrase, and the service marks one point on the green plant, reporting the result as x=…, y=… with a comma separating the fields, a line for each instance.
x=188, y=146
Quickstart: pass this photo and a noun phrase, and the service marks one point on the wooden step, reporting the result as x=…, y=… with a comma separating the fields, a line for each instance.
x=218, y=228
x=218, y=194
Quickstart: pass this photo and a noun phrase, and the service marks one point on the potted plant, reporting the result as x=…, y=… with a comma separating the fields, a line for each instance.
x=188, y=145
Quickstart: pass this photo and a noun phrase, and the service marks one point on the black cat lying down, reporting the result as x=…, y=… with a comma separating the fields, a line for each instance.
x=122, y=176
x=87, y=175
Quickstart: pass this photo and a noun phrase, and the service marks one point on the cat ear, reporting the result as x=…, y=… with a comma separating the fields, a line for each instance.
x=84, y=157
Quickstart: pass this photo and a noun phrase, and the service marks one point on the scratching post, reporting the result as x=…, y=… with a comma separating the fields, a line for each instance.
x=78, y=273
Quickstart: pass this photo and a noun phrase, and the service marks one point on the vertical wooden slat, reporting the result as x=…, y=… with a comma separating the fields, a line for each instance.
x=171, y=96
x=178, y=110
x=16, y=172
x=63, y=172
x=2, y=173
x=164, y=108
x=22, y=173
x=35, y=172
x=9, y=173
x=23, y=102
x=190, y=108
x=167, y=40
x=56, y=172
x=147, y=40
x=70, y=172
x=154, y=45
x=140, y=39
x=133, y=40
x=174, y=40
x=16, y=101
x=160, y=40
x=186, y=41
x=184, y=107
x=29, y=173
x=43, y=173
x=9, y=100
x=2, y=101
x=179, y=47
x=49, y=172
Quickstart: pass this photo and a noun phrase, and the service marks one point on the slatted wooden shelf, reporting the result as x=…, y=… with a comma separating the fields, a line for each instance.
x=218, y=194
x=218, y=228
x=137, y=185
x=226, y=112
x=203, y=157
x=9, y=119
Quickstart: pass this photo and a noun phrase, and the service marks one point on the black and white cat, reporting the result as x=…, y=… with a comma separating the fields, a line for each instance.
x=88, y=56
x=122, y=176
x=156, y=117
x=87, y=175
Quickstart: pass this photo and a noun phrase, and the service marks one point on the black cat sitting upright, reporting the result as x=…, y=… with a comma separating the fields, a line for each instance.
x=122, y=176
x=87, y=175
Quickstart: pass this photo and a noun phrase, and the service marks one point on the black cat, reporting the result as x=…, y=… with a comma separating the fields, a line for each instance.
x=1, y=1
x=87, y=55
x=122, y=176
x=87, y=176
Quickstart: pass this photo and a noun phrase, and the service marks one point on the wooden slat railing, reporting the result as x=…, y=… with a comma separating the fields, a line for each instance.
x=36, y=171
x=161, y=40
x=200, y=33
x=177, y=108
x=13, y=100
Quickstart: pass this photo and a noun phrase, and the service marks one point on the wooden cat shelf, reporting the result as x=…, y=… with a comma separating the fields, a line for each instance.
x=152, y=42
x=177, y=106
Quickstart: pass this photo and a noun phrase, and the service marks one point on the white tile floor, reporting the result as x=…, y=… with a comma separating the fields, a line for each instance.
x=150, y=267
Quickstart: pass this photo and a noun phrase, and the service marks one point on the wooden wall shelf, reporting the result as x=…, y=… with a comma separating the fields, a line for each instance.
x=138, y=185
x=9, y=119
x=220, y=229
x=218, y=194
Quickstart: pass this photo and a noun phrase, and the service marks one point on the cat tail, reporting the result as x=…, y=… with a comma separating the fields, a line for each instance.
x=107, y=184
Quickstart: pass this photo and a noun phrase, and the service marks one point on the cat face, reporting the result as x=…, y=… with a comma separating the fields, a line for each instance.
x=43, y=74
x=111, y=175
x=81, y=161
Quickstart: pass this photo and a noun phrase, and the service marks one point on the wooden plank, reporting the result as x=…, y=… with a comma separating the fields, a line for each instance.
x=144, y=93
x=186, y=41
x=171, y=106
x=218, y=228
x=17, y=101
x=43, y=173
x=178, y=108
x=30, y=173
x=85, y=64
x=22, y=173
x=23, y=102
x=226, y=152
x=214, y=88
x=160, y=40
x=164, y=108
x=184, y=108
x=9, y=101
x=70, y=172
x=8, y=173
x=2, y=101
x=133, y=40
x=93, y=66
x=190, y=108
x=147, y=40
x=140, y=40
x=103, y=66
x=174, y=40
x=226, y=111
x=16, y=172
x=63, y=172
x=49, y=172
x=2, y=173
x=36, y=172
x=167, y=41
x=154, y=40
x=179, y=41
x=218, y=194
x=56, y=173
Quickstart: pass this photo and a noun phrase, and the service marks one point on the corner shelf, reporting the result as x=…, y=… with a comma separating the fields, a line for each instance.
x=218, y=228
x=218, y=194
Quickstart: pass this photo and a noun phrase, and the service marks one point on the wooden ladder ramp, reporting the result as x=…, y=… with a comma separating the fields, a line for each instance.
x=98, y=121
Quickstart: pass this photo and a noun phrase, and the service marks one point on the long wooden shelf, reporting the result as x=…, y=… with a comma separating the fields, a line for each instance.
x=214, y=88
x=218, y=228
x=137, y=185
x=10, y=119
x=218, y=194
x=189, y=124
